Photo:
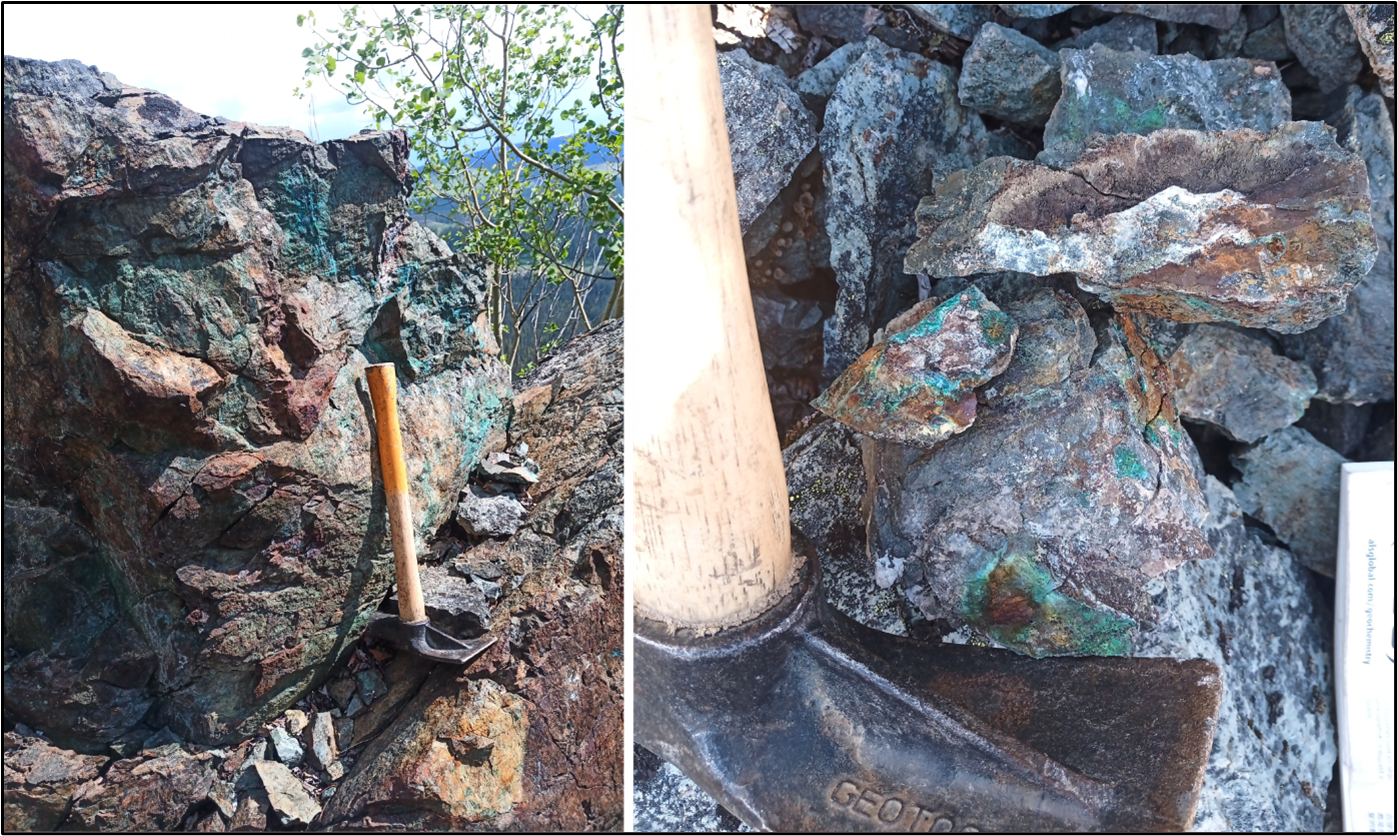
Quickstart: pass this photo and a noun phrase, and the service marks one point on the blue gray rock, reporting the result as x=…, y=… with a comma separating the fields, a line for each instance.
x=769, y=130
x=1291, y=482
x=1352, y=353
x=893, y=125
x=1217, y=15
x=1123, y=33
x=288, y=749
x=1234, y=381
x=490, y=516
x=820, y=80
x=1268, y=43
x=963, y=20
x=1009, y=76
x=1323, y=39
x=1035, y=10
x=1257, y=614
x=1110, y=92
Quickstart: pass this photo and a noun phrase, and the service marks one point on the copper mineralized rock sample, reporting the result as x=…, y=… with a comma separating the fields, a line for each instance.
x=915, y=387
x=1040, y=525
x=194, y=530
x=1266, y=230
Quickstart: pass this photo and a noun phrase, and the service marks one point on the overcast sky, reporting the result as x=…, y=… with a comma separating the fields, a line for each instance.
x=237, y=61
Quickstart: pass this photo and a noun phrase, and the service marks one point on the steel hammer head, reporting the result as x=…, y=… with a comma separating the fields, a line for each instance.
x=805, y=720
x=422, y=638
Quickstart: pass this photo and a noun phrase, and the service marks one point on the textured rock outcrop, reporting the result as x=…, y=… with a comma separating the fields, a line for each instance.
x=1352, y=353
x=188, y=307
x=1009, y=76
x=1262, y=230
x=1040, y=525
x=1235, y=381
x=1373, y=24
x=1109, y=92
x=769, y=130
x=916, y=387
x=893, y=125
x=40, y=780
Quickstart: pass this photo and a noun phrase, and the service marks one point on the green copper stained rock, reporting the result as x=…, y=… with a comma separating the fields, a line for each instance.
x=916, y=387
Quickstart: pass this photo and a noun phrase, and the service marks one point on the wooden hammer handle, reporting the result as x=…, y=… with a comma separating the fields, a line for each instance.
x=383, y=390
x=710, y=516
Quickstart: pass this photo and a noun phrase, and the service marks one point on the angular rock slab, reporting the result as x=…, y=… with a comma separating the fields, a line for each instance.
x=915, y=387
x=769, y=130
x=1108, y=92
x=1236, y=382
x=40, y=780
x=189, y=304
x=1261, y=230
x=1291, y=482
x=892, y=126
x=1352, y=354
x=1009, y=76
x=1217, y=15
x=1257, y=614
x=1040, y=525
x=1373, y=24
x=1324, y=41
x=151, y=793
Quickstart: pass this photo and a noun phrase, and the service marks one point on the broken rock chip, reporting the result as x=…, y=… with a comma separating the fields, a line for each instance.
x=1291, y=482
x=1235, y=381
x=1324, y=41
x=963, y=20
x=1040, y=526
x=1262, y=230
x=1110, y=92
x=1010, y=76
x=490, y=516
x=287, y=797
x=769, y=130
x=1373, y=23
x=915, y=387
x=1124, y=33
x=1217, y=15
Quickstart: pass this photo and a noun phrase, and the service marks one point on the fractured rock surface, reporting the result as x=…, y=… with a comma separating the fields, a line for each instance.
x=1039, y=526
x=1373, y=24
x=189, y=304
x=1324, y=41
x=1235, y=381
x=1261, y=230
x=1108, y=92
x=1009, y=76
x=1291, y=482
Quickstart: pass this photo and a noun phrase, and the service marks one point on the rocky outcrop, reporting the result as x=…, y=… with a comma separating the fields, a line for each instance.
x=189, y=304
x=40, y=780
x=1262, y=230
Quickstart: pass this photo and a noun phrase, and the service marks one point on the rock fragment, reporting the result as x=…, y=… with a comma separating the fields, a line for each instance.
x=916, y=387
x=820, y=80
x=1009, y=76
x=1253, y=611
x=1352, y=353
x=1323, y=39
x=769, y=130
x=1217, y=15
x=288, y=749
x=1235, y=381
x=1291, y=482
x=40, y=780
x=1268, y=43
x=1183, y=225
x=287, y=798
x=1373, y=24
x=963, y=20
x=892, y=126
x=323, y=747
x=1035, y=10
x=490, y=516
x=1110, y=92
x=1123, y=33
x=455, y=605
x=1040, y=525
x=842, y=22
x=144, y=794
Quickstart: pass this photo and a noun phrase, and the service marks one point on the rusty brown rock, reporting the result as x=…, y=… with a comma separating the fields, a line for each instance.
x=1262, y=230
x=40, y=780
x=149, y=793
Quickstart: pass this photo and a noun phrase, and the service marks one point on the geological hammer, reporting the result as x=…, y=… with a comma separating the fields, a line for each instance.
x=791, y=715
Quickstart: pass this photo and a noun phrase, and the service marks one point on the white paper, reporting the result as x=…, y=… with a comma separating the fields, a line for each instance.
x=1364, y=635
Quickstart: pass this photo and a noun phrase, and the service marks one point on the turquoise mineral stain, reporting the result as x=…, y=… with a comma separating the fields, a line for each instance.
x=1128, y=466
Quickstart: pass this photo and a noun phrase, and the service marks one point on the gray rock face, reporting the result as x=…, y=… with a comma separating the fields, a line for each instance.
x=1323, y=39
x=1352, y=354
x=843, y=22
x=1291, y=482
x=825, y=477
x=1109, y=92
x=1217, y=15
x=963, y=20
x=323, y=749
x=893, y=124
x=1254, y=612
x=1009, y=76
x=288, y=749
x=1040, y=525
x=769, y=130
x=1123, y=33
x=1035, y=10
x=819, y=81
x=1183, y=225
x=1234, y=381
x=1373, y=24
x=490, y=516
x=1268, y=43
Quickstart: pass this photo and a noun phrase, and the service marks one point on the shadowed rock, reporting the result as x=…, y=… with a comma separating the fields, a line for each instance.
x=189, y=305
x=1373, y=24
x=963, y=20
x=1217, y=15
x=1109, y=92
x=1234, y=381
x=1291, y=482
x=1009, y=76
x=1123, y=33
x=915, y=387
x=1324, y=41
x=1262, y=230
x=1035, y=10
